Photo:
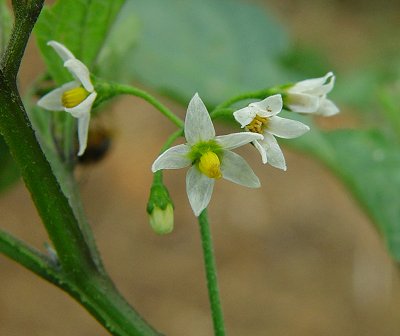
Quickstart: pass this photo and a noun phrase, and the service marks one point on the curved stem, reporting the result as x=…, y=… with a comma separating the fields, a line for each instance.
x=116, y=88
x=261, y=94
x=171, y=140
x=211, y=274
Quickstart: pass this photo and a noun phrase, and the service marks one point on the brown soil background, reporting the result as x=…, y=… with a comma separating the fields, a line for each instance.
x=296, y=257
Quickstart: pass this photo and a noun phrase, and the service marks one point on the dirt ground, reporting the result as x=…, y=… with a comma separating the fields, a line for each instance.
x=296, y=257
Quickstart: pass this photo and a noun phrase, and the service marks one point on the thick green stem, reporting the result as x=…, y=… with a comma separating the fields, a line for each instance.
x=211, y=274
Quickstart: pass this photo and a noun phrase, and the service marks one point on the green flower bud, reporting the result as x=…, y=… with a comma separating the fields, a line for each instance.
x=160, y=207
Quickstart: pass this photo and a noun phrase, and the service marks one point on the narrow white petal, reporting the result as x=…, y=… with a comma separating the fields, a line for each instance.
x=53, y=100
x=235, y=140
x=274, y=153
x=83, y=130
x=245, y=115
x=173, y=158
x=198, y=124
x=301, y=102
x=83, y=108
x=80, y=72
x=262, y=151
x=199, y=189
x=234, y=168
x=327, y=108
x=286, y=128
x=312, y=85
x=61, y=50
x=270, y=106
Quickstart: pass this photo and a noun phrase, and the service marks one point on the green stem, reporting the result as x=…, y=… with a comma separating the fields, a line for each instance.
x=261, y=94
x=27, y=256
x=113, y=89
x=211, y=274
x=171, y=140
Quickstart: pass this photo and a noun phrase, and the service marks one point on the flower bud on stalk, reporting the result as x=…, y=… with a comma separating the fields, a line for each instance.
x=160, y=207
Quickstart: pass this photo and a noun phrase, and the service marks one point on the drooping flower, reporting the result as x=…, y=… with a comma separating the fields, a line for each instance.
x=75, y=97
x=262, y=118
x=309, y=96
x=209, y=156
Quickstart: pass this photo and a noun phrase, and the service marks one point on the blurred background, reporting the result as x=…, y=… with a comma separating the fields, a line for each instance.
x=295, y=257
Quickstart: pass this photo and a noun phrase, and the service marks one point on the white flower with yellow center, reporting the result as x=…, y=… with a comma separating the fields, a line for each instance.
x=76, y=97
x=261, y=117
x=209, y=156
x=309, y=96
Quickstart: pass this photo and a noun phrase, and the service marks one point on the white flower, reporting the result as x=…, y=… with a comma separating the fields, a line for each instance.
x=76, y=97
x=261, y=117
x=208, y=155
x=309, y=96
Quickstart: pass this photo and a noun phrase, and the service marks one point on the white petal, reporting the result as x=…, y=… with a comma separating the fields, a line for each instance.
x=301, y=102
x=245, y=115
x=318, y=86
x=83, y=130
x=286, y=128
x=262, y=151
x=235, y=140
x=199, y=189
x=83, y=108
x=61, y=50
x=53, y=100
x=80, y=72
x=274, y=153
x=198, y=124
x=234, y=168
x=268, y=107
x=173, y=158
x=327, y=108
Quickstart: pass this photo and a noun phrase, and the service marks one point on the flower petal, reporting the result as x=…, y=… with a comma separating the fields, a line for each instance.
x=83, y=130
x=286, y=128
x=268, y=107
x=199, y=189
x=173, y=158
x=302, y=102
x=83, y=108
x=234, y=168
x=327, y=108
x=61, y=50
x=318, y=86
x=274, y=153
x=53, y=100
x=80, y=72
x=198, y=124
x=262, y=151
x=245, y=115
x=231, y=141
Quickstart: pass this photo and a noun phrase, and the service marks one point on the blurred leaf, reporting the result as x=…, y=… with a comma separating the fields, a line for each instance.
x=368, y=163
x=81, y=25
x=218, y=48
x=5, y=25
x=9, y=173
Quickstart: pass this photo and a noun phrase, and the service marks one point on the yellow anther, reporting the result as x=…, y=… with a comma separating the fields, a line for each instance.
x=74, y=97
x=258, y=124
x=210, y=165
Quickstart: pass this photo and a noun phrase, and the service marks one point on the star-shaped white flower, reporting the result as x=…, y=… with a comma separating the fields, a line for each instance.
x=309, y=96
x=76, y=97
x=209, y=156
x=261, y=117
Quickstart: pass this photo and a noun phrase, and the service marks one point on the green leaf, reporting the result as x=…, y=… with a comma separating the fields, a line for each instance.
x=5, y=25
x=367, y=161
x=82, y=26
x=218, y=48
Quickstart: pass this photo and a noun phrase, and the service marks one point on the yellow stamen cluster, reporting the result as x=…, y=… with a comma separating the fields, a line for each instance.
x=74, y=97
x=210, y=165
x=258, y=124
